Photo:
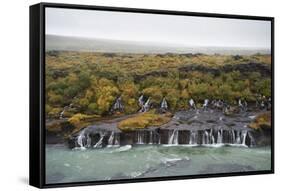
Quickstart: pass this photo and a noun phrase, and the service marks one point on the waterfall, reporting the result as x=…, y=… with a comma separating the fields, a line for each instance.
x=238, y=138
x=64, y=109
x=176, y=137
x=173, y=139
x=193, y=138
x=99, y=143
x=164, y=104
x=206, y=138
x=147, y=105
x=89, y=141
x=220, y=137
x=80, y=139
x=244, y=135
x=141, y=102
x=117, y=140
x=111, y=139
x=150, y=137
x=212, y=137
x=118, y=105
x=140, y=137
x=61, y=113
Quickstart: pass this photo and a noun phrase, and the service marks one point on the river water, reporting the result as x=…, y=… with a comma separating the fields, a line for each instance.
x=77, y=165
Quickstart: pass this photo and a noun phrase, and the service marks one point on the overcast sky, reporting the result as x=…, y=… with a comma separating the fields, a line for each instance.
x=182, y=30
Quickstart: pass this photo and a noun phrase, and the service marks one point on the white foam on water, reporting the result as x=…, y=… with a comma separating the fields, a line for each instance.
x=217, y=145
x=124, y=148
x=237, y=145
x=171, y=159
x=79, y=148
x=135, y=174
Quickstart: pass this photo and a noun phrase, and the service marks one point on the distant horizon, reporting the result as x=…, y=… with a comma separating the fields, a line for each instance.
x=156, y=43
x=159, y=28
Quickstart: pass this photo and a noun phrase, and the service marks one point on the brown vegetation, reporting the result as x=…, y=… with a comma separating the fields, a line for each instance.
x=261, y=121
x=144, y=120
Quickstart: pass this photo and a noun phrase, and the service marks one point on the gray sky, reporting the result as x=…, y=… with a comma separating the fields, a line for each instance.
x=182, y=30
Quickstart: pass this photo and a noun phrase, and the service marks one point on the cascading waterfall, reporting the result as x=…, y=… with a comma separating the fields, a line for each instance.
x=147, y=105
x=193, y=138
x=62, y=113
x=238, y=138
x=80, y=139
x=244, y=135
x=164, y=104
x=220, y=137
x=140, y=137
x=212, y=137
x=176, y=138
x=99, y=143
x=111, y=139
x=117, y=140
x=208, y=137
x=118, y=105
x=173, y=140
x=150, y=137
x=141, y=102
x=64, y=109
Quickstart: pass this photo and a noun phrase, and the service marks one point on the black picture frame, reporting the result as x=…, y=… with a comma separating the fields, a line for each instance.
x=37, y=93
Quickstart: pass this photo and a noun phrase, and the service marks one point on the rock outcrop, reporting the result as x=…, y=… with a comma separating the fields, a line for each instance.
x=206, y=128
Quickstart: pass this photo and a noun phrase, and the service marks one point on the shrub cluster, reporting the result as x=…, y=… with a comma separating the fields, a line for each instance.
x=91, y=82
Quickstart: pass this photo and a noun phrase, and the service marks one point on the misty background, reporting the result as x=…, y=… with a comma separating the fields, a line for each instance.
x=112, y=31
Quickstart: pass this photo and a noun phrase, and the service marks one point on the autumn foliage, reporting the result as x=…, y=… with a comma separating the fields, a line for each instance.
x=91, y=82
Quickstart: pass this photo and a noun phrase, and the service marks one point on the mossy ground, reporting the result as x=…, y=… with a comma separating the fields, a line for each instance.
x=91, y=82
x=144, y=120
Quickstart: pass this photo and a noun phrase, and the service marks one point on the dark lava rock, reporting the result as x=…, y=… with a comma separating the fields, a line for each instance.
x=263, y=69
x=262, y=136
x=186, y=127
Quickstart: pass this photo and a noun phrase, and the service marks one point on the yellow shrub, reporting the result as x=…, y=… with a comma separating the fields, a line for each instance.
x=78, y=118
x=262, y=120
x=143, y=120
